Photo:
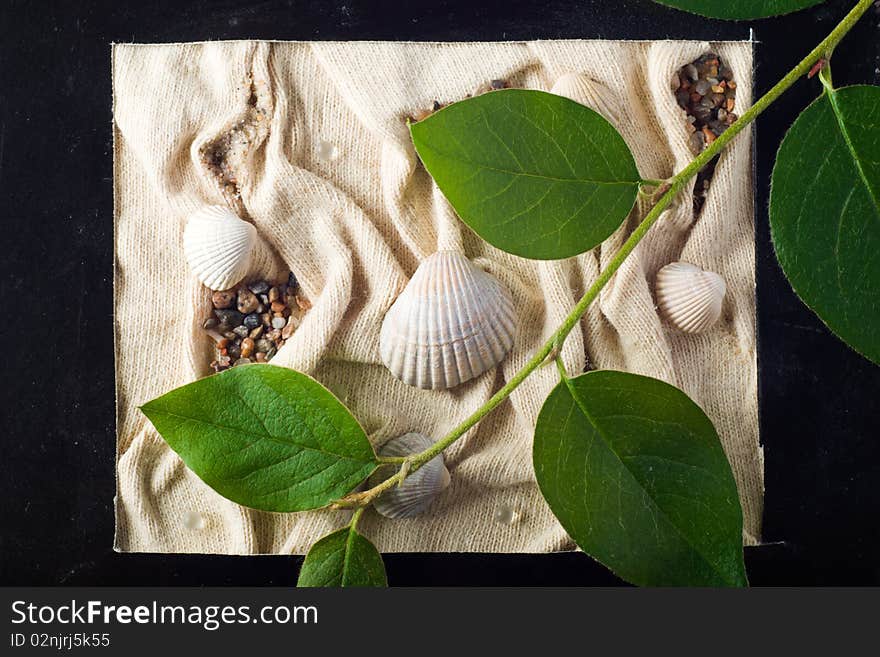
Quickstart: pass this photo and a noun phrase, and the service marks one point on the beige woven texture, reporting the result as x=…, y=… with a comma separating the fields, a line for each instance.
x=354, y=229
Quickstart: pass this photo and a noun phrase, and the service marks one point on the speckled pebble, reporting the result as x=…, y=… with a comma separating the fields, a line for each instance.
x=260, y=287
x=252, y=321
x=223, y=299
x=247, y=301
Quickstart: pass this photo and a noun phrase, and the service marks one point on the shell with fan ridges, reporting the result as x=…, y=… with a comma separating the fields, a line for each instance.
x=451, y=323
x=418, y=489
x=689, y=297
x=218, y=246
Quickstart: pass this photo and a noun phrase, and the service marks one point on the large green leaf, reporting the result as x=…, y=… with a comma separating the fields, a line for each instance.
x=343, y=558
x=634, y=471
x=532, y=173
x=825, y=213
x=266, y=437
x=740, y=9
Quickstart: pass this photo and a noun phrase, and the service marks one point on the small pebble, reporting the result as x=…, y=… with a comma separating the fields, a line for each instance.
x=274, y=335
x=274, y=294
x=233, y=351
x=247, y=301
x=229, y=318
x=303, y=303
x=290, y=327
x=292, y=283
x=229, y=335
x=271, y=353
x=256, y=333
x=247, y=347
x=261, y=357
x=210, y=323
x=278, y=307
x=223, y=343
x=241, y=331
x=263, y=345
x=223, y=299
x=260, y=287
x=252, y=321
x=242, y=361
x=278, y=322
x=266, y=319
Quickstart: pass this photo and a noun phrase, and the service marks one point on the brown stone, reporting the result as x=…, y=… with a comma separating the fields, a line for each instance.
x=247, y=347
x=289, y=328
x=224, y=299
x=247, y=301
x=274, y=294
x=278, y=307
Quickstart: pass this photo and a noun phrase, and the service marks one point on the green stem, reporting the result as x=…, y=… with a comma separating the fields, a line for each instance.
x=352, y=524
x=670, y=190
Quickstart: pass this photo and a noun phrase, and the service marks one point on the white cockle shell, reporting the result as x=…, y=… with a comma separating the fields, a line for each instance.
x=418, y=489
x=451, y=323
x=218, y=246
x=689, y=297
x=589, y=92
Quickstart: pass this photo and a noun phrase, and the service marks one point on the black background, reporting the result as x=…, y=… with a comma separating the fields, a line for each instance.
x=819, y=400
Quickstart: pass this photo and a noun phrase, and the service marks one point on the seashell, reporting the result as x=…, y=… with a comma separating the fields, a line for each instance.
x=218, y=246
x=451, y=323
x=419, y=489
x=689, y=297
x=589, y=92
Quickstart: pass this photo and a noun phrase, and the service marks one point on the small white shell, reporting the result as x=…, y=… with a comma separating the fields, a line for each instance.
x=420, y=488
x=218, y=246
x=589, y=92
x=451, y=323
x=689, y=297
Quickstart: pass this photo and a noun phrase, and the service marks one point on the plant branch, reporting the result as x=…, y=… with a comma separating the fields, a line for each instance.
x=667, y=192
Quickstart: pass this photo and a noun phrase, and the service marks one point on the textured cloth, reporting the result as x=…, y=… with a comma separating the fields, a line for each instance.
x=353, y=228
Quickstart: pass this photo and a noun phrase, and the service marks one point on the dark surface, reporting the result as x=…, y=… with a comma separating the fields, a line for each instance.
x=819, y=408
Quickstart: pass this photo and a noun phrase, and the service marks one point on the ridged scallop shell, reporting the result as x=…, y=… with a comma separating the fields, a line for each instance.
x=420, y=488
x=689, y=297
x=451, y=323
x=589, y=92
x=218, y=246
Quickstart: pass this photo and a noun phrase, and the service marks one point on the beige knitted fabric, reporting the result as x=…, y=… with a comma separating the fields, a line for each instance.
x=354, y=228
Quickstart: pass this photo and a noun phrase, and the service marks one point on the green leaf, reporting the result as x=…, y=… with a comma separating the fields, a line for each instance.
x=343, y=558
x=740, y=9
x=534, y=174
x=265, y=437
x=634, y=471
x=824, y=213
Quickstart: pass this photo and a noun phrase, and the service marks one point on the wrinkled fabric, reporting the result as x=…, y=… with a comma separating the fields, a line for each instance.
x=354, y=229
